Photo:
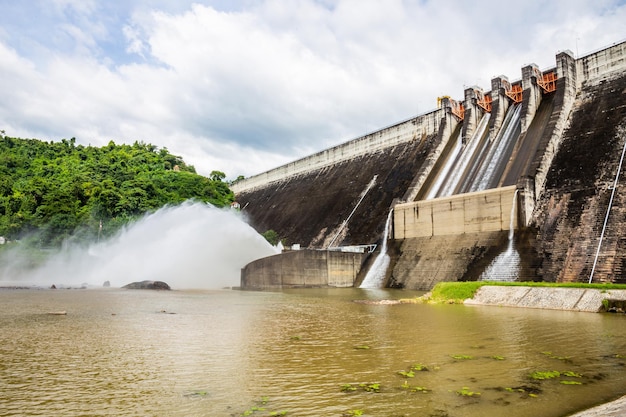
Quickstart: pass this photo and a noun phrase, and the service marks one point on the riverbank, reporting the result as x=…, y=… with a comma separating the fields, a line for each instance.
x=615, y=408
x=570, y=296
x=555, y=298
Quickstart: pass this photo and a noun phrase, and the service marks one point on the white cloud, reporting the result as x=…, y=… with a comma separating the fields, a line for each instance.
x=241, y=87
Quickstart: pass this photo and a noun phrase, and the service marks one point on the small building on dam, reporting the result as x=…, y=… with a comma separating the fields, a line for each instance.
x=521, y=182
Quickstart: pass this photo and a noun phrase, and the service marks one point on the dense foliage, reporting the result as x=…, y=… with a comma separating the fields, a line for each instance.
x=59, y=189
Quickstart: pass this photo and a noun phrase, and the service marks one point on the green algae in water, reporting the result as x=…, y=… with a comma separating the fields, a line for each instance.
x=419, y=367
x=375, y=387
x=543, y=375
x=466, y=392
x=461, y=357
x=367, y=387
x=348, y=388
x=565, y=382
x=416, y=388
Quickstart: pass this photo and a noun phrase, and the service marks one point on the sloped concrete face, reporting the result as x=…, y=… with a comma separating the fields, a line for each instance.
x=571, y=211
x=313, y=208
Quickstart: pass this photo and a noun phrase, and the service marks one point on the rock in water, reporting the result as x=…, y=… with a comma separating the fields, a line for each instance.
x=147, y=285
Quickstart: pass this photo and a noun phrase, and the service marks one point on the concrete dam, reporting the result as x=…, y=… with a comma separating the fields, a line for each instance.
x=521, y=182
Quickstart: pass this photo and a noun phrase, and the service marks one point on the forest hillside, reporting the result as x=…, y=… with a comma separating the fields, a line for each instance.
x=52, y=190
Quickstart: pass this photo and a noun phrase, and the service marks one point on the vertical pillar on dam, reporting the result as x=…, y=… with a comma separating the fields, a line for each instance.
x=532, y=186
x=473, y=113
x=532, y=95
x=566, y=70
x=500, y=102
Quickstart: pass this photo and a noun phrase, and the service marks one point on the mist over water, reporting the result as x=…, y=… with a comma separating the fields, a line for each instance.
x=190, y=246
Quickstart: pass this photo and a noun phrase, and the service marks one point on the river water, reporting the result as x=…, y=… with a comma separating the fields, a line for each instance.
x=300, y=353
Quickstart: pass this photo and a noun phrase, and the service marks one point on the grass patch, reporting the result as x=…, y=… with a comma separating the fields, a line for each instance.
x=457, y=292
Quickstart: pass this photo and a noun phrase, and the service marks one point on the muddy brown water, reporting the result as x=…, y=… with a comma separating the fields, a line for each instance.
x=301, y=353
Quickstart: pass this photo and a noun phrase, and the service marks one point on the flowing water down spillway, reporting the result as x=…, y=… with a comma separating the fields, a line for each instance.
x=376, y=275
x=478, y=164
x=500, y=149
x=450, y=161
x=505, y=267
x=464, y=160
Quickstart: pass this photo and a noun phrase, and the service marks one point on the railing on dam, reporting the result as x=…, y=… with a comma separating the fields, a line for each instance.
x=480, y=211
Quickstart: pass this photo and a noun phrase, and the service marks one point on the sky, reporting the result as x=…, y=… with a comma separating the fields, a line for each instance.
x=243, y=86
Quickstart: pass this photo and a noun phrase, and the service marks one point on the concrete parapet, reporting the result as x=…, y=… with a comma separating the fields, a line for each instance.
x=601, y=63
x=555, y=298
x=481, y=211
x=303, y=269
x=414, y=128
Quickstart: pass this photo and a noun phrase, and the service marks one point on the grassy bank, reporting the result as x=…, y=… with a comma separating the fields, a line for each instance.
x=456, y=292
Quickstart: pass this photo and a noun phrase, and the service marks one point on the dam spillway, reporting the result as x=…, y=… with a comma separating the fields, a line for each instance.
x=470, y=155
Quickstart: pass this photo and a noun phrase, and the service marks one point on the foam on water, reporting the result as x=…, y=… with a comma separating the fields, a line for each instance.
x=192, y=245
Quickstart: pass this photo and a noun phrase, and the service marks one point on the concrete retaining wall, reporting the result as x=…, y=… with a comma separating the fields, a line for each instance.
x=574, y=299
x=481, y=211
x=303, y=269
x=415, y=128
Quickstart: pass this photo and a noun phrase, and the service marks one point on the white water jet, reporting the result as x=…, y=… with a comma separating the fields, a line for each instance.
x=376, y=275
x=505, y=267
x=190, y=246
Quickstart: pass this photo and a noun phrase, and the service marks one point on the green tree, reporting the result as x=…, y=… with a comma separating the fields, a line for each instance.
x=59, y=188
x=271, y=236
